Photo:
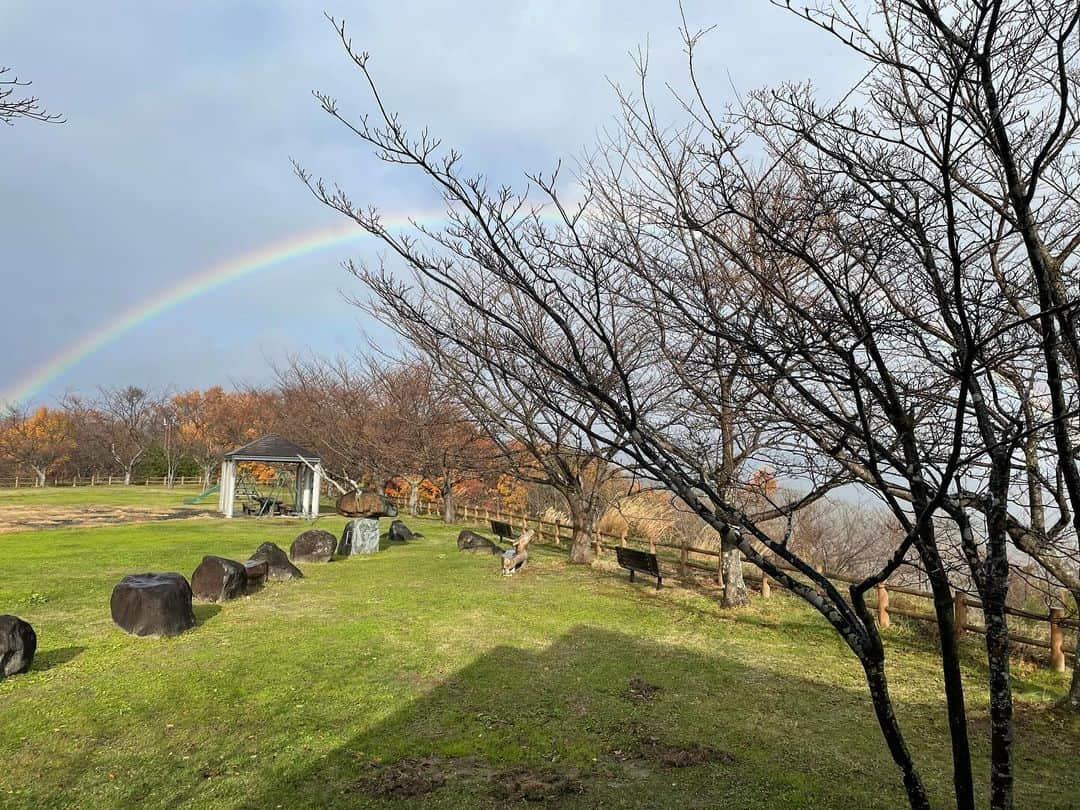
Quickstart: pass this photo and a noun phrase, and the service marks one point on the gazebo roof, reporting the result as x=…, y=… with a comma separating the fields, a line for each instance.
x=274, y=449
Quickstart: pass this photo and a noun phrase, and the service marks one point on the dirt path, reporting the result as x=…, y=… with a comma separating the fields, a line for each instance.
x=25, y=518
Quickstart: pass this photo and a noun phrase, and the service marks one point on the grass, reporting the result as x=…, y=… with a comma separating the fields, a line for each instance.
x=135, y=496
x=309, y=693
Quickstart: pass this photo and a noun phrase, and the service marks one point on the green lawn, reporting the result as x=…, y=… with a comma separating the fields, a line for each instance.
x=422, y=668
x=104, y=496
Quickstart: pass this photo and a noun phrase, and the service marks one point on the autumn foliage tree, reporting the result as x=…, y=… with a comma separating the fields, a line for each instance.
x=41, y=440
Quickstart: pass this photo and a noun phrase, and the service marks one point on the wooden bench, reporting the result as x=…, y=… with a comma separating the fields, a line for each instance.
x=633, y=560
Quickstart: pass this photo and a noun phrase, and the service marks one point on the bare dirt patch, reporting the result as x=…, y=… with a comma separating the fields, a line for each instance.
x=416, y=777
x=671, y=755
x=26, y=518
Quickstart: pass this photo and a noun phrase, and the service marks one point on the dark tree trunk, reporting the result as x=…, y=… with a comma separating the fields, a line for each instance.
x=1071, y=701
x=954, y=688
x=890, y=729
x=1001, y=722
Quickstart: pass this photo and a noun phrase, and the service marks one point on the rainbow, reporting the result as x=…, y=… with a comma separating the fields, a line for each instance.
x=199, y=283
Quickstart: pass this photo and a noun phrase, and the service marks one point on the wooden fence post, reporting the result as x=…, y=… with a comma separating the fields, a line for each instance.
x=652, y=546
x=959, y=615
x=720, y=571
x=1057, y=637
x=596, y=542
x=682, y=560
x=558, y=532
x=622, y=539
x=883, y=619
x=766, y=588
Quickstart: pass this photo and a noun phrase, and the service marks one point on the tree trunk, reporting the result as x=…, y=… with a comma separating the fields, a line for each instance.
x=1001, y=720
x=414, y=495
x=954, y=686
x=890, y=729
x=581, y=530
x=1071, y=701
x=127, y=477
x=39, y=476
x=735, y=592
x=449, y=514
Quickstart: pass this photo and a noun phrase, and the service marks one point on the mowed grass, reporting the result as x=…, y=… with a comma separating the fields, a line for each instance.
x=307, y=693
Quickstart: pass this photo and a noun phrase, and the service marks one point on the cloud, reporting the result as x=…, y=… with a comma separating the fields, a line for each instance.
x=182, y=119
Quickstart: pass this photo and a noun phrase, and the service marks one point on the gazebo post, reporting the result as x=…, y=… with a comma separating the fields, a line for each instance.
x=230, y=491
x=222, y=484
x=298, y=499
x=316, y=484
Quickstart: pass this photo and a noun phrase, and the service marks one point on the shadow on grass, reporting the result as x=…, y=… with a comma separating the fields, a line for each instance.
x=568, y=721
x=204, y=612
x=47, y=659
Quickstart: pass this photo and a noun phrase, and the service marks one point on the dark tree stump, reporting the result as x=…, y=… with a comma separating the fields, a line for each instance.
x=18, y=643
x=399, y=532
x=314, y=545
x=277, y=561
x=471, y=541
x=218, y=579
x=153, y=605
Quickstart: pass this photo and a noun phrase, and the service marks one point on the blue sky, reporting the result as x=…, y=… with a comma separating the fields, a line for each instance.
x=182, y=118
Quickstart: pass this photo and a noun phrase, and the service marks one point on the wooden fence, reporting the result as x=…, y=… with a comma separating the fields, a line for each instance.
x=677, y=558
x=31, y=481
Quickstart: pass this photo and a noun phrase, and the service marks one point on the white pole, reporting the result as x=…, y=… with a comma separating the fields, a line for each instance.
x=316, y=475
x=230, y=493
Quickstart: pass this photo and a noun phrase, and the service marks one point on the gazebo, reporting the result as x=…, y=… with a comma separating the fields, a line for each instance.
x=273, y=449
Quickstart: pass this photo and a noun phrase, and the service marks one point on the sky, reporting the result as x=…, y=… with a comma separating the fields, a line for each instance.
x=159, y=237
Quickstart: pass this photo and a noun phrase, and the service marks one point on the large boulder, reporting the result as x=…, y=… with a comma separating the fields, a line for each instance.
x=277, y=562
x=217, y=579
x=471, y=541
x=365, y=503
x=361, y=536
x=314, y=545
x=153, y=604
x=18, y=643
x=399, y=532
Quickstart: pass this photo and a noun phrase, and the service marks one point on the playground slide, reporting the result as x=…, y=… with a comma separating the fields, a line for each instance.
x=204, y=494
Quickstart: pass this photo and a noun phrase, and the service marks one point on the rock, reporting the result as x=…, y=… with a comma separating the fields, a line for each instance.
x=314, y=545
x=18, y=643
x=471, y=541
x=217, y=579
x=365, y=503
x=277, y=561
x=361, y=536
x=153, y=604
x=256, y=572
x=399, y=532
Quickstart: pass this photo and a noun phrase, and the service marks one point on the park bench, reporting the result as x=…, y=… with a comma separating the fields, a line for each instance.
x=633, y=560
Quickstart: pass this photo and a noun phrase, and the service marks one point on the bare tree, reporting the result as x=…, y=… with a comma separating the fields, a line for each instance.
x=839, y=263
x=127, y=416
x=13, y=105
x=535, y=445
